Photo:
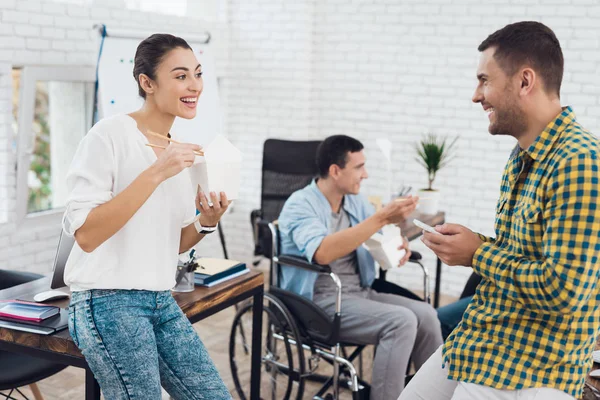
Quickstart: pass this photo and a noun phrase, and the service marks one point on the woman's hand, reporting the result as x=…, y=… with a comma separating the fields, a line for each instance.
x=211, y=215
x=174, y=159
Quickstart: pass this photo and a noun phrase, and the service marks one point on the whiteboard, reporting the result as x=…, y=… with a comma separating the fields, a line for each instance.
x=118, y=90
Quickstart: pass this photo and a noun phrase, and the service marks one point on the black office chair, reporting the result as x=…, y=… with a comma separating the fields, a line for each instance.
x=287, y=167
x=18, y=370
x=292, y=325
x=471, y=285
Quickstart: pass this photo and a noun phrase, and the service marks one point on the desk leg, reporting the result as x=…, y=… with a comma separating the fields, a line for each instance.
x=438, y=278
x=257, y=311
x=92, y=389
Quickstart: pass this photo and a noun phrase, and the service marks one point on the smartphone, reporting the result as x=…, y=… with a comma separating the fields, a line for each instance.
x=425, y=227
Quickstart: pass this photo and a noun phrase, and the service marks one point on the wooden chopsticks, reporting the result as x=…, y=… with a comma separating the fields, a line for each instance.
x=159, y=136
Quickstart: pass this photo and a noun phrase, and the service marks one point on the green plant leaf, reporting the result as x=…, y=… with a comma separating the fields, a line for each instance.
x=434, y=153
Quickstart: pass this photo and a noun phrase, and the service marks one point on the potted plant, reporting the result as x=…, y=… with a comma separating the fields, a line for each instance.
x=434, y=153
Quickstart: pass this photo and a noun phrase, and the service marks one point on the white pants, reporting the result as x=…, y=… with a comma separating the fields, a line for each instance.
x=431, y=383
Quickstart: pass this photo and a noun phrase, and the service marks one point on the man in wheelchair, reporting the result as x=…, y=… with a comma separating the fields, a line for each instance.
x=327, y=222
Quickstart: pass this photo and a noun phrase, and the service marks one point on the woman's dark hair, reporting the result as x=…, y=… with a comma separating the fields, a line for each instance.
x=150, y=52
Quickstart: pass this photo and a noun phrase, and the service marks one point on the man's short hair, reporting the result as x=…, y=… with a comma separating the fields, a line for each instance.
x=531, y=43
x=334, y=150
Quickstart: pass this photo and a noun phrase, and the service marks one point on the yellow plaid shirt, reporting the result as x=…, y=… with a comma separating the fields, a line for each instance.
x=534, y=319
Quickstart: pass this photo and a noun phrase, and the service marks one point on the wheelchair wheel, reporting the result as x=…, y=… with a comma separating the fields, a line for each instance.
x=282, y=358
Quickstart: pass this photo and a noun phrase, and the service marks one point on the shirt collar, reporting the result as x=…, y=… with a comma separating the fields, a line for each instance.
x=346, y=205
x=539, y=149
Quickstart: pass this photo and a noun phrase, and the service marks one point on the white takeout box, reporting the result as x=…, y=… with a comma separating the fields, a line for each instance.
x=384, y=247
x=219, y=169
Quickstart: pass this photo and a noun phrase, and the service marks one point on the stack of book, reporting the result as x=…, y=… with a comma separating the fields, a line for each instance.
x=212, y=271
x=32, y=317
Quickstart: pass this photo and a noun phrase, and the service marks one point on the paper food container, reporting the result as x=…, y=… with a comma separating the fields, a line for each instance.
x=219, y=169
x=384, y=249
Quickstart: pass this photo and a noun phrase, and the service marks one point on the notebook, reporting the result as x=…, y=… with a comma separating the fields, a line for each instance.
x=213, y=282
x=211, y=271
x=46, y=327
x=26, y=311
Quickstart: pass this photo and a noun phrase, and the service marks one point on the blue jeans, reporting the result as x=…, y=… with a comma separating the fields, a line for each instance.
x=451, y=315
x=134, y=341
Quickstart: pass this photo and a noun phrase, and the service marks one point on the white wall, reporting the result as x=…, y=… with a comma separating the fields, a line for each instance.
x=395, y=69
x=308, y=69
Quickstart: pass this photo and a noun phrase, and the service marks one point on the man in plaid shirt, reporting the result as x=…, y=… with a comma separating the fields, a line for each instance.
x=531, y=327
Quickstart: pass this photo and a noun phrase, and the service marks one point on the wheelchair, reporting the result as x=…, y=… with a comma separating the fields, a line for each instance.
x=297, y=335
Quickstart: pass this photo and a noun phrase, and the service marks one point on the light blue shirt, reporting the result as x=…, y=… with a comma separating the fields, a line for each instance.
x=304, y=223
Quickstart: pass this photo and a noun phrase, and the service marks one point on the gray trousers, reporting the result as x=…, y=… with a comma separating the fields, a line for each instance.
x=398, y=326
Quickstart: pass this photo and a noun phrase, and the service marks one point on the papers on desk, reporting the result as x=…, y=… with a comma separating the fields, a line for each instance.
x=384, y=247
x=219, y=169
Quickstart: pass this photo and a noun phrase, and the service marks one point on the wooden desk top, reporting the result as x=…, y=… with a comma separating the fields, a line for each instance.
x=411, y=231
x=196, y=305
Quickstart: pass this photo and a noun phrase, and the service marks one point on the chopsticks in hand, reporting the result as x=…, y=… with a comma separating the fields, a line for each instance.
x=157, y=135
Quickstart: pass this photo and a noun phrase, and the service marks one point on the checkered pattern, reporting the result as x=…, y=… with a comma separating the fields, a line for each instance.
x=534, y=319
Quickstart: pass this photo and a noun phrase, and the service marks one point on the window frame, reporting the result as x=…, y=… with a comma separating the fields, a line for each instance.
x=30, y=75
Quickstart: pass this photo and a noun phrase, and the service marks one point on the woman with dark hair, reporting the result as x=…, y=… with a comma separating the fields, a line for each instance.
x=131, y=209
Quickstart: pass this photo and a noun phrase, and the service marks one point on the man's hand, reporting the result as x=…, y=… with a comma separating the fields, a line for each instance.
x=211, y=215
x=408, y=252
x=397, y=210
x=455, y=246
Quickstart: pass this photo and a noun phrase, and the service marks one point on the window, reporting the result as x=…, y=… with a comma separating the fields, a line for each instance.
x=52, y=110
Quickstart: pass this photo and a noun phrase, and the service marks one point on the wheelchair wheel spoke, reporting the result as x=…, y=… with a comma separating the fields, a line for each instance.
x=280, y=377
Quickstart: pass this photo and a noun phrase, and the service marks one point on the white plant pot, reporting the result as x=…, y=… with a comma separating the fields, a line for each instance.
x=429, y=201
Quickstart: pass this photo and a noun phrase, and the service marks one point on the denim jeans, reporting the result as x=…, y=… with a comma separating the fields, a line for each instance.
x=134, y=341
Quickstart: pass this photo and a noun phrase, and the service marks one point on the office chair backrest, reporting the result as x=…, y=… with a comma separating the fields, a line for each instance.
x=10, y=278
x=288, y=166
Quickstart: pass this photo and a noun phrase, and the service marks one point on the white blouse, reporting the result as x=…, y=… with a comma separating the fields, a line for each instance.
x=143, y=253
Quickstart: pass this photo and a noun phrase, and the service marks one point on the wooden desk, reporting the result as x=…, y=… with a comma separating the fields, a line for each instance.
x=412, y=232
x=197, y=305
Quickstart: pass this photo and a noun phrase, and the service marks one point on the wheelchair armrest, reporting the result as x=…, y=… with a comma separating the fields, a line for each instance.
x=254, y=214
x=265, y=224
x=415, y=256
x=255, y=218
x=300, y=262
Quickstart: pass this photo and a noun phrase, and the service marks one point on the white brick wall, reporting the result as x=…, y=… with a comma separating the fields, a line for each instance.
x=388, y=69
x=308, y=69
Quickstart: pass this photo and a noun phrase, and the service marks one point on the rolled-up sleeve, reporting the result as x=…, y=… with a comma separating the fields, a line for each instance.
x=300, y=222
x=90, y=180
